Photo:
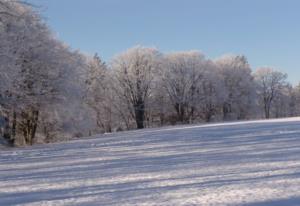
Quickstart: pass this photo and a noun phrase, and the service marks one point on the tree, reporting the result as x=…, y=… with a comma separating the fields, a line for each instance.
x=212, y=93
x=270, y=82
x=98, y=94
x=14, y=18
x=283, y=104
x=34, y=74
x=9, y=15
x=133, y=73
x=295, y=100
x=182, y=74
x=238, y=85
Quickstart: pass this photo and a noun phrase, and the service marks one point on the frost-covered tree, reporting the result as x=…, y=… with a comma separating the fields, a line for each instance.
x=99, y=93
x=212, y=93
x=9, y=15
x=238, y=85
x=133, y=74
x=283, y=102
x=182, y=74
x=295, y=101
x=15, y=19
x=35, y=67
x=270, y=83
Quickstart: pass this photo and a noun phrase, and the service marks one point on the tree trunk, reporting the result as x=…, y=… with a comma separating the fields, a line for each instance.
x=6, y=129
x=29, y=125
x=267, y=110
x=139, y=110
x=35, y=118
x=162, y=118
x=208, y=115
x=226, y=110
x=180, y=109
x=14, y=125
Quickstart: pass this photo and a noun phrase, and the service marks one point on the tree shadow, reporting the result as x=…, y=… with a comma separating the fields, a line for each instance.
x=293, y=201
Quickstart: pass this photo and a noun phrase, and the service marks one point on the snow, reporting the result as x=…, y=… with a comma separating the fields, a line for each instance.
x=241, y=163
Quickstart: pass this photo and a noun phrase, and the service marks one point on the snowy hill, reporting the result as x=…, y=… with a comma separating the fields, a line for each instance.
x=244, y=163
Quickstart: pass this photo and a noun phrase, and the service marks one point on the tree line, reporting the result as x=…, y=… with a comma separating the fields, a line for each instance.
x=49, y=92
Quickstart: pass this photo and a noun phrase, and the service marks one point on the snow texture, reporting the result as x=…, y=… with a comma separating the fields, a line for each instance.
x=243, y=163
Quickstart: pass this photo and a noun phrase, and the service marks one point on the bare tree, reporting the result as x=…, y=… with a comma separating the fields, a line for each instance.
x=212, y=93
x=34, y=74
x=182, y=74
x=133, y=73
x=99, y=93
x=238, y=86
x=270, y=82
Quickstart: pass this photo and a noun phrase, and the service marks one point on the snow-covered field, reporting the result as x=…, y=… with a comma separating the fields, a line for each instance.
x=245, y=163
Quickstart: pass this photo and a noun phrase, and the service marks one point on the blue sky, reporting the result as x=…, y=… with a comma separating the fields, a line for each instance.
x=266, y=31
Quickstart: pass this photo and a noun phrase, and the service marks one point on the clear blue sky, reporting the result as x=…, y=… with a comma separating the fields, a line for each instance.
x=266, y=31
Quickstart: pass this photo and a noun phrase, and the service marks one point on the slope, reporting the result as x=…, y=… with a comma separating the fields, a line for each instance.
x=243, y=163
